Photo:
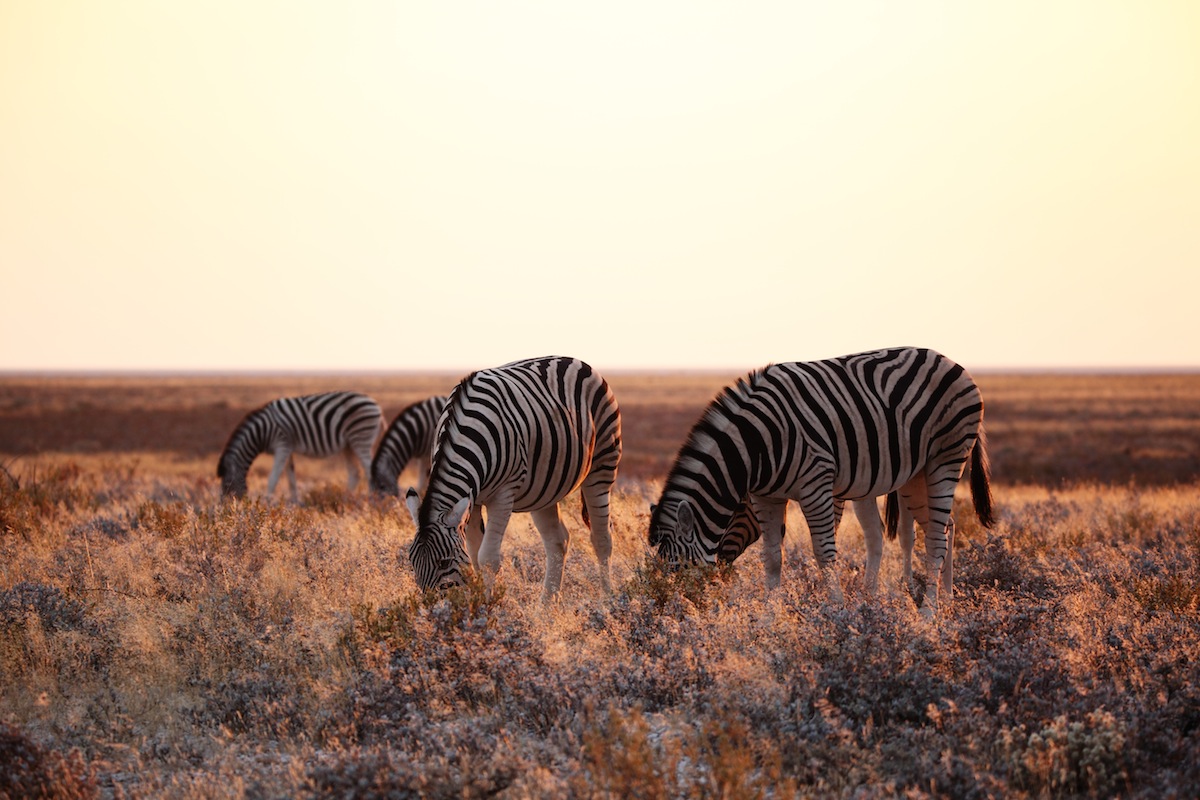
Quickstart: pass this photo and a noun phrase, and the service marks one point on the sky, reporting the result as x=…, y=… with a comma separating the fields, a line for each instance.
x=370, y=185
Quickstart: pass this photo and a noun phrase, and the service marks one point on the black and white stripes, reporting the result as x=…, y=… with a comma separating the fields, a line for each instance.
x=822, y=433
x=317, y=425
x=518, y=438
x=410, y=436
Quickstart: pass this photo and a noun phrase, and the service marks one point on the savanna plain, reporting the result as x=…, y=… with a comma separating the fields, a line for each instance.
x=156, y=641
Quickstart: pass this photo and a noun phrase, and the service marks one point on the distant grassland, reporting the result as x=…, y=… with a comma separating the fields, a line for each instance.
x=1048, y=429
x=157, y=642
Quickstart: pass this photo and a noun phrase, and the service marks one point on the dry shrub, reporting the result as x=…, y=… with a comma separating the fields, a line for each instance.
x=30, y=505
x=252, y=648
x=32, y=772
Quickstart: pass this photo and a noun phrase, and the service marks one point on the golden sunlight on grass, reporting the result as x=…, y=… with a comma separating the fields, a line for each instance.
x=156, y=642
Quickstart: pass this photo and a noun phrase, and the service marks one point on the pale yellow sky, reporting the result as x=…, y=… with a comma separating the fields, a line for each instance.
x=449, y=185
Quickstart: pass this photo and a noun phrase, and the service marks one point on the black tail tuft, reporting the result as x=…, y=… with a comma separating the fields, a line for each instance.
x=891, y=514
x=981, y=490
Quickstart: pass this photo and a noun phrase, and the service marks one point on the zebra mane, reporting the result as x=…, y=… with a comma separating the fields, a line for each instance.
x=442, y=435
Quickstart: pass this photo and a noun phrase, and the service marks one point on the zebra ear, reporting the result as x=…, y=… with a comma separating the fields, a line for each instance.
x=685, y=517
x=413, y=501
x=456, y=515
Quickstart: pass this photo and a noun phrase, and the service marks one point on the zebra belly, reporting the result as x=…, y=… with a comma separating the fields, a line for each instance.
x=529, y=494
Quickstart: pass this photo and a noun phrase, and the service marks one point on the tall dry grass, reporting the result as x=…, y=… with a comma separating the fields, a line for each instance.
x=156, y=642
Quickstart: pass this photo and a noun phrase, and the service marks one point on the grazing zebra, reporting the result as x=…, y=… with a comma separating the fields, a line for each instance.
x=518, y=438
x=409, y=436
x=821, y=433
x=316, y=425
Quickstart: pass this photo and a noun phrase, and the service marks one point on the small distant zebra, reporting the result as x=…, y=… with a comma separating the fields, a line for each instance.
x=822, y=433
x=519, y=437
x=317, y=425
x=411, y=435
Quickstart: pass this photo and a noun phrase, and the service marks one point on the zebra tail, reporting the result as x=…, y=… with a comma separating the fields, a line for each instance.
x=981, y=490
x=891, y=514
x=587, y=520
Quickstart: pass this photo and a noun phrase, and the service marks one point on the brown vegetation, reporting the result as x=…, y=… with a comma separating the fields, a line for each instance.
x=155, y=642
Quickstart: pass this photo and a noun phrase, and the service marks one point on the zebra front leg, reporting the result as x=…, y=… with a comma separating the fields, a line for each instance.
x=867, y=511
x=352, y=461
x=771, y=515
x=498, y=513
x=474, y=534
x=283, y=460
x=556, y=539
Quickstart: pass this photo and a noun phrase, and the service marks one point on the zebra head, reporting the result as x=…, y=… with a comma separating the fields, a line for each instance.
x=437, y=553
x=382, y=484
x=233, y=479
x=673, y=530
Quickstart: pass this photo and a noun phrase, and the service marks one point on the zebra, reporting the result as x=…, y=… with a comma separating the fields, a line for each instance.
x=410, y=436
x=822, y=433
x=518, y=437
x=316, y=424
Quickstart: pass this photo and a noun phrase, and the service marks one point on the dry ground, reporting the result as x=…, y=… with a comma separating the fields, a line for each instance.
x=155, y=642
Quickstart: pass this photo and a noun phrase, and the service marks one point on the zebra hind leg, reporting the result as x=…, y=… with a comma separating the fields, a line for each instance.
x=556, y=539
x=821, y=514
x=596, y=517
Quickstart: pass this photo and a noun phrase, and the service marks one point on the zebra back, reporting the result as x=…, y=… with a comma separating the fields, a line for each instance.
x=410, y=435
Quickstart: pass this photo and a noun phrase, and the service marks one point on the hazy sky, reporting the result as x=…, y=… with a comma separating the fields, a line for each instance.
x=400, y=185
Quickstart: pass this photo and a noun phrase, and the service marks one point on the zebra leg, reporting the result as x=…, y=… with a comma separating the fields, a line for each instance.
x=474, y=534
x=498, y=512
x=867, y=511
x=595, y=504
x=772, y=515
x=422, y=474
x=556, y=539
x=821, y=515
x=948, y=567
x=352, y=469
x=937, y=547
x=914, y=510
x=283, y=460
x=906, y=535
x=291, y=476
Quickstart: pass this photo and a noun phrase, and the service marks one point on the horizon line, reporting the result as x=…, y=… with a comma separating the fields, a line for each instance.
x=277, y=372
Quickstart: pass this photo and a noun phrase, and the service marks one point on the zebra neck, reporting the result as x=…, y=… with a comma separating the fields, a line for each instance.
x=393, y=454
x=251, y=439
x=714, y=478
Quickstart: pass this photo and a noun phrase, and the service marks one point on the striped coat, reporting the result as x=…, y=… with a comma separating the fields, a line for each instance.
x=518, y=438
x=318, y=425
x=823, y=433
x=410, y=436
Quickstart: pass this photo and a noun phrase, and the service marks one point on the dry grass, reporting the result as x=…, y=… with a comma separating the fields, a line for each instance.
x=155, y=642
